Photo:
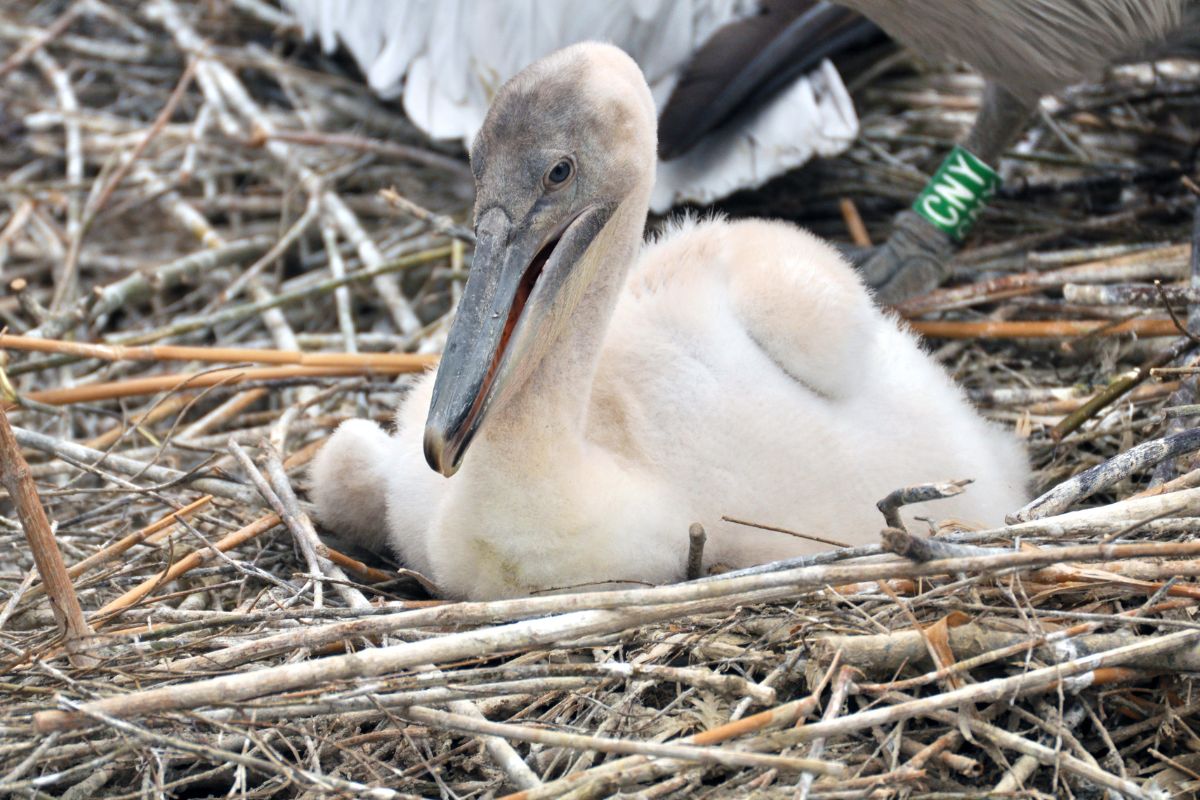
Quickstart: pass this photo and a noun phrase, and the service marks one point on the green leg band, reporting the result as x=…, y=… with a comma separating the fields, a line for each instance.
x=957, y=193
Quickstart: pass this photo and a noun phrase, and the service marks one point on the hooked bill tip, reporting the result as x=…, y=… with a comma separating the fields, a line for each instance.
x=435, y=452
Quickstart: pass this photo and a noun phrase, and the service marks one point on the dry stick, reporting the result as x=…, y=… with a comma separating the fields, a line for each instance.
x=1024, y=683
x=1188, y=480
x=704, y=755
x=23, y=53
x=369, y=574
x=156, y=127
x=837, y=698
x=188, y=562
x=498, y=748
x=1188, y=388
x=921, y=493
x=228, y=410
x=15, y=477
x=232, y=376
x=234, y=313
x=695, y=557
x=280, y=495
x=1118, y=388
x=1101, y=476
x=1168, y=262
x=74, y=452
x=776, y=529
x=634, y=769
x=491, y=612
x=106, y=554
x=198, y=225
x=368, y=663
x=1129, y=294
x=917, y=548
x=1044, y=754
x=212, y=355
x=353, y=142
x=306, y=542
x=1066, y=405
x=140, y=285
x=67, y=278
x=275, y=766
x=16, y=223
x=1042, y=329
x=854, y=223
x=250, y=274
x=277, y=491
x=694, y=597
x=216, y=76
x=439, y=222
x=341, y=295
x=158, y=411
x=300, y=525
x=940, y=748
x=975, y=645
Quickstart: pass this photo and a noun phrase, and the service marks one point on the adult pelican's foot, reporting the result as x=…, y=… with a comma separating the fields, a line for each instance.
x=914, y=260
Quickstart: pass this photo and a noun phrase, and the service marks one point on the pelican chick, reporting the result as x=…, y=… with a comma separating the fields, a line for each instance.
x=597, y=396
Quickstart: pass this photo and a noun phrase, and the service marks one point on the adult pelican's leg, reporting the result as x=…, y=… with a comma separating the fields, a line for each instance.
x=915, y=258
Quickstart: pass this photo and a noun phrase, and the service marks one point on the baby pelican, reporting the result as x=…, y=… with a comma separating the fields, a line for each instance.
x=596, y=397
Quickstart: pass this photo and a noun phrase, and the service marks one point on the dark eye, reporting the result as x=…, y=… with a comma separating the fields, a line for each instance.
x=559, y=174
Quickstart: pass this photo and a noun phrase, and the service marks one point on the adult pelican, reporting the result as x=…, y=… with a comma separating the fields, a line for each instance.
x=1026, y=49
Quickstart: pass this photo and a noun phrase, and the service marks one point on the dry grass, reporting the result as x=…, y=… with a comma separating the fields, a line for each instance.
x=162, y=193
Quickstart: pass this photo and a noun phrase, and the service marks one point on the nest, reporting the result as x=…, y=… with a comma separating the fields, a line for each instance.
x=182, y=175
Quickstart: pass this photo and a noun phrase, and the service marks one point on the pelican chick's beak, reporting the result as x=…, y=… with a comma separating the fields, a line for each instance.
x=515, y=275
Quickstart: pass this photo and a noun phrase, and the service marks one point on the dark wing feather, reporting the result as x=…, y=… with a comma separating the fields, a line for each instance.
x=747, y=62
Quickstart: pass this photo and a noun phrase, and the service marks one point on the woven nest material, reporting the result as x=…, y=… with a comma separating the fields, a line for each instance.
x=181, y=176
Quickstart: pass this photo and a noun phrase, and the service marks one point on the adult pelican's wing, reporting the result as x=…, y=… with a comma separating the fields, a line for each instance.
x=748, y=61
x=446, y=59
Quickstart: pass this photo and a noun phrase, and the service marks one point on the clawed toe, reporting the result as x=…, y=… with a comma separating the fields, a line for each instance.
x=914, y=260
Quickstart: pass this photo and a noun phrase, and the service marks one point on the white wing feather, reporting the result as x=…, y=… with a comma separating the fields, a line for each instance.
x=445, y=60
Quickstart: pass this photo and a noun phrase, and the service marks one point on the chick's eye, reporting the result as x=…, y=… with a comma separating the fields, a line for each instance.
x=559, y=173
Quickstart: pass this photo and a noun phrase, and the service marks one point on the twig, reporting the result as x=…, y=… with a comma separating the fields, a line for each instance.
x=305, y=538
x=14, y=475
x=854, y=222
x=695, y=557
x=231, y=376
x=837, y=698
x=1118, y=388
x=164, y=116
x=704, y=755
x=416, y=155
x=1044, y=754
x=1042, y=329
x=921, y=493
x=214, y=355
x=1144, y=295
x=1162, y=262
x=1101, y=476
x=438, y=222
x=25, y=51
x=106, y=554
x=189, y=562
x=216, y=78
x=66, y=279
x=141, y=285
x=129, y=466
x=580, y=623
x=903, y=543
x=775, y=529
